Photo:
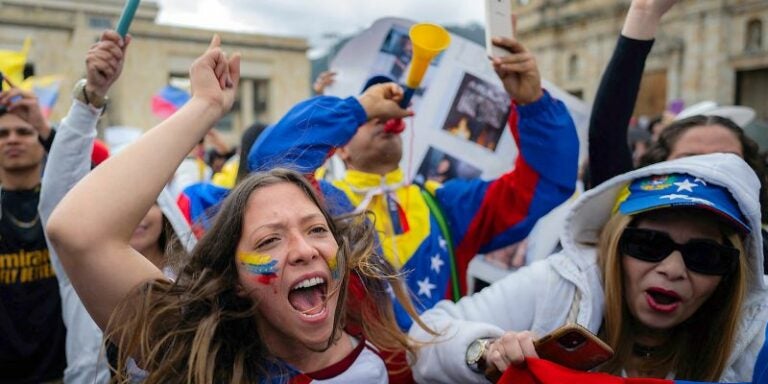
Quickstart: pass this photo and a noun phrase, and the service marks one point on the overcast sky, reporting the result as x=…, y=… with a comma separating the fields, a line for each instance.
x=317, y=20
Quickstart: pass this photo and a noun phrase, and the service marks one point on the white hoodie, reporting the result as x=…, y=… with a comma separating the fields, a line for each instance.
x=567, y=286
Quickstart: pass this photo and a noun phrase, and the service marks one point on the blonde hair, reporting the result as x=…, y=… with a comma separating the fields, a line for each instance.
x=699, y=347
x=199, y=330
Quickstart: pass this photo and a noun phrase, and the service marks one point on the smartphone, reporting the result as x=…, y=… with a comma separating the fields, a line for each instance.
x=498, y=22
x=573, y=346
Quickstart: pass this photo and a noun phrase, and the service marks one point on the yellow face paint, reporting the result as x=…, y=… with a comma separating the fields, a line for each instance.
x=333, y=264
x=259, y=264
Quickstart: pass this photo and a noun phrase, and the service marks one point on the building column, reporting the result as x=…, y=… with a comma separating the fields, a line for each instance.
x=246, y=103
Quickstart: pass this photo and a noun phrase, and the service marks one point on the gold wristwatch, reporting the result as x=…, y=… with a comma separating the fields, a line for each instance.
x=475, y=355
x=80, y=93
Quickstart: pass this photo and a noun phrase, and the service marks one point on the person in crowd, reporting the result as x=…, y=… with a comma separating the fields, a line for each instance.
x=31, y=329
x=615, y=101
x=431, y=233
x=162, y=226
x=663, y=263
x=220, y=152
x=261, y=297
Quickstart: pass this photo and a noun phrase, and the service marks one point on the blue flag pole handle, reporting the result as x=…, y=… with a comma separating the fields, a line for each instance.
x=127, y=17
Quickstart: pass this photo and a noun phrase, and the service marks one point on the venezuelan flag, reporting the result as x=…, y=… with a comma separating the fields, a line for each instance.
x=166, y=102
x=46, y=88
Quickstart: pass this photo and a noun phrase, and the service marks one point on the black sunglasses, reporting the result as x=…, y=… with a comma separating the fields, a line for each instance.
x=703, y=256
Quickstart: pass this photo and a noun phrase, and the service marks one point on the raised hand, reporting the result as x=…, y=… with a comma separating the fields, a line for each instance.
x=104, y=63
x=25, y=105
x=381, y=101
x=655, y=7
x=215, y=77
x=323, y=80
x=644, y=17
x=518, y=71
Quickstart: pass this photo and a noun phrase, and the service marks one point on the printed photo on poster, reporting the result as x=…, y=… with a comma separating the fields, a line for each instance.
x=395, y=55
x=440, y=167
x=478, y=113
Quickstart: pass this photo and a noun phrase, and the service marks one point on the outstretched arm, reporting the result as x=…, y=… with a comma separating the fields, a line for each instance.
x=609, y=154
x=309, y=133
x=111, y=201
x=487, y=215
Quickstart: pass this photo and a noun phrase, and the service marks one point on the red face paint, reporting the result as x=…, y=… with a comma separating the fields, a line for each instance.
x=266, y=279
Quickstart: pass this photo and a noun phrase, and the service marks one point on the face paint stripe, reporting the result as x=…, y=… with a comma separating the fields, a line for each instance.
x=260, y=264
x=333, y=264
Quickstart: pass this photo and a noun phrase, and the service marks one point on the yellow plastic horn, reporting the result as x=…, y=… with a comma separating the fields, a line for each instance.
x=428, y=41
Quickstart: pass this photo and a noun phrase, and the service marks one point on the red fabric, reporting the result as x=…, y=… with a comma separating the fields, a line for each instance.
x=398, y=369
x=99, y=153
x=185, y=206
x=300, y=379
x=505, y=204
x=537, y=371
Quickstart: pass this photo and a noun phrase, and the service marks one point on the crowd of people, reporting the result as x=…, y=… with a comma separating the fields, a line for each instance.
x=124, y=268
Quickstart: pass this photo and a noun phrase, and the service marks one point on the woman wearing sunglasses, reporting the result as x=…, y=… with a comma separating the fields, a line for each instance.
x=664, y=264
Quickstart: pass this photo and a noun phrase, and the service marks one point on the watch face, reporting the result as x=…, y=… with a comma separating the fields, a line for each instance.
x=475, y=351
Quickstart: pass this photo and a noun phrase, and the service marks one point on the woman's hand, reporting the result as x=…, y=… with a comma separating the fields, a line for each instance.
x=510, y=348
x=644, y=17
x=215, y=77
x=654, y=7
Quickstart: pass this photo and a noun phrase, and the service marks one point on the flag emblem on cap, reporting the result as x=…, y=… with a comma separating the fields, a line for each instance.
x=658, y=183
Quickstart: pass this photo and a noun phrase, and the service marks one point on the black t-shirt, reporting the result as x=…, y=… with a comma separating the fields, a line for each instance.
x=32, y=332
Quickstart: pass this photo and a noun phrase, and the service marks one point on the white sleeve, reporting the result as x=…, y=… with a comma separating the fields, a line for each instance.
x=69, y=160
x=507, y=305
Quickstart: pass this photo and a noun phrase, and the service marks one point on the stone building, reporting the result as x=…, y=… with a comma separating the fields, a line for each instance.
x=706, y=50
x=275, y=70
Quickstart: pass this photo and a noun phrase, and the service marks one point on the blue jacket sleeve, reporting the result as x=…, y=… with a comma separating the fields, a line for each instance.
x=485, y=215
x=307, y=134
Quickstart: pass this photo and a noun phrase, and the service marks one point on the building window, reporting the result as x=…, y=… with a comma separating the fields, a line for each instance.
x=573, y=67
x=97, y=22
x=754, y=40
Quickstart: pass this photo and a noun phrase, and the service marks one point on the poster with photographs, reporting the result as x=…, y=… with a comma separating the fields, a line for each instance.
x=478, y=112
x=461, y=111
x=440, y=167
x=394, y=57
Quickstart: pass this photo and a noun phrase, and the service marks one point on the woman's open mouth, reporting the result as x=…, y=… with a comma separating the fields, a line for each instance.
x=662, y=300
x=308, y=297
